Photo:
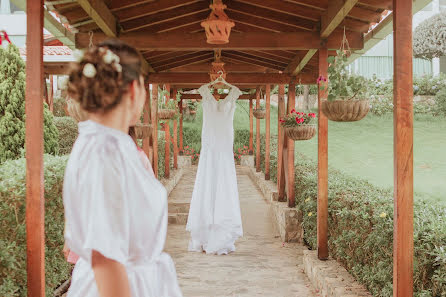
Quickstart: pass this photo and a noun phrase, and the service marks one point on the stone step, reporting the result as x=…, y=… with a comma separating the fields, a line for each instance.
x=178, y=207
x=178, y=218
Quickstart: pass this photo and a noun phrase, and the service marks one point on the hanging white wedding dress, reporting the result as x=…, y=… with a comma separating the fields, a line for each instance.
x=214, y=216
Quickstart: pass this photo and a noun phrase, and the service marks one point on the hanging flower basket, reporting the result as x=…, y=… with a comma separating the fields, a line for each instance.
x=259, y=113
x=166, y=114
x=299, y=125
x=192, y=111
x=143, y=130
x=75, y=111
x=345, y=110
x=302, y=132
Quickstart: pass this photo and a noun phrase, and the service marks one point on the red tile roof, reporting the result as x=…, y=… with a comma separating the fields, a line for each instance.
x=51, y=51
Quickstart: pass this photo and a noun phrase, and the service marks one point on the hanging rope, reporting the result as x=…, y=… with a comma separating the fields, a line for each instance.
x=90, y=34
x=345, y=43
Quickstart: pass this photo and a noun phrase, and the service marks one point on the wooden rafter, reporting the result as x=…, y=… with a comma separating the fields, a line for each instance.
x=101, y=15
x=236, y=56
x=270, y=15
x=335, y=14
x=285, y=7
x=230, y=67
x=261, y=22
x=186, y=60
x=243, y=41
x=249, y=56
x=236, y=78
x=165, y=16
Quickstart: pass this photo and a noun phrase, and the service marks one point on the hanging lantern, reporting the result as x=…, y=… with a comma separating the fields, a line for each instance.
x=217, y=25
x=217, y=69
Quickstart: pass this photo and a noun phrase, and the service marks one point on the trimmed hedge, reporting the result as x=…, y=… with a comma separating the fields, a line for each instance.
x=68, y=131
x=361, y=229
x=13, y=228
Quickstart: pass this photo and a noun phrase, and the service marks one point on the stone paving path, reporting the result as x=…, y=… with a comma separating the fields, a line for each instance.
x=262, y=264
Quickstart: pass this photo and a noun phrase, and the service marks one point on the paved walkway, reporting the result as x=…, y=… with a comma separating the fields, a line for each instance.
x=262, y=264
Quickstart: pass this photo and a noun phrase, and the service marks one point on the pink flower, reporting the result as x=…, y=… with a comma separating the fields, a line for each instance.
x=321, y=78
x=293, y=111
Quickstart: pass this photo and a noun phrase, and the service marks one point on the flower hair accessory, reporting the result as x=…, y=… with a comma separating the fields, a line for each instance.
x=89, y=70
x=110, y=57
x=78, y=55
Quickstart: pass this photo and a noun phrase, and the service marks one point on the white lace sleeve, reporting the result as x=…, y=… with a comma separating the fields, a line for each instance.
x=234, y=94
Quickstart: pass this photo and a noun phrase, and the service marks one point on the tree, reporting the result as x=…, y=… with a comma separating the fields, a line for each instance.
x=429, y=38
x=12, y=108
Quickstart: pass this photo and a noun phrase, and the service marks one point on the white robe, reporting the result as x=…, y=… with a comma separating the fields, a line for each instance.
x=113, y=205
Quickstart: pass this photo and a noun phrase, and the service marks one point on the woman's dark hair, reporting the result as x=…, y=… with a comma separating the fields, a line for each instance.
x=132, y=133
x=102, y=89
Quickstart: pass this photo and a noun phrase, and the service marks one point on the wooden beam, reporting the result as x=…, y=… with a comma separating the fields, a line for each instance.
x=299, y=63
x=175, y=133
x=35, y=201
x=198, y=97
x=182, y=60
x=240, y=41
x=230, y=67
x=180, y=104
x=176, y=78
x=52, y=25
x=403, y=250
x=258, y=58
x=251, y=128
x=166, y=137
x=165, y=16
x=292, y=9
x=101, y=15
x=322, y=165
x=267, y=131
x=238, y=56
x=290, y=150
x=154, y=118
x=335, y=14
x=280, y=145
x=258, y=160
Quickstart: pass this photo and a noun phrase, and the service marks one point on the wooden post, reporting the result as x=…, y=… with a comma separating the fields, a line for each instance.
x=258, y=161
x=51, y=94
x=175, y=133
x=181, y=126
x=290, y=149
x=322, y=163
x=146, y=119
x=267, y=131
x=251, y=128
x=35, y=203
x=280, y=145
x=154, y=118
x=403, y=149
x=167, y=138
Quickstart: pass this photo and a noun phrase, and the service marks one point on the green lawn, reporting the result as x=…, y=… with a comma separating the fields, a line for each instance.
x=365, y=149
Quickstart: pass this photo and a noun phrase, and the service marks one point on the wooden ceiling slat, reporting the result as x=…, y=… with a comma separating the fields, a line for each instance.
x=247, y=55
x=170, y=25
x=146, y=9
x=123, y=4
x=288, y=8
x=243, y=41
x=382, y=4
x=180, y=57
x=281, y=54
x=336, y=12
x=177, y=78
x=237, y=57
x=165, y=16
x=270, y=15
x=75, y=14
x=229, y=67
x=197, y=59
x=259, y=22
x=246, y=28
x=268, y=56
x=363, y=14
x=319, y=5
x=101, y=15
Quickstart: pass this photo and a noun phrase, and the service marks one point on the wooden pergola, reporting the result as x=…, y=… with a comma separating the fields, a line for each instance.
x=273, y=43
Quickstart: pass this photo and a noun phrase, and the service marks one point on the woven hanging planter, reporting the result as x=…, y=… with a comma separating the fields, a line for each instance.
x=166, y=114
x=345, y=110
x=301, y=132
x=75, y=111
x=143, y=130
x=217, y=25
x=259, y=113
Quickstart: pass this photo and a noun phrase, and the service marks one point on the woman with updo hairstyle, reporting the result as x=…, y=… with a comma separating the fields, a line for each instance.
x=115, y=209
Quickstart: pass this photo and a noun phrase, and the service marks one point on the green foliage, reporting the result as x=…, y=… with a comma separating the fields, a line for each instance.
x=59, y=105
x=429, y=85
x=67, y=128
x=342, y=84
x=429, y=37
x=12, y=108
x=440, y=100
x=13, y=228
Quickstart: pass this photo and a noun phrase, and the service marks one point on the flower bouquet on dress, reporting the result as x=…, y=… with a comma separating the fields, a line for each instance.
x=299, y=125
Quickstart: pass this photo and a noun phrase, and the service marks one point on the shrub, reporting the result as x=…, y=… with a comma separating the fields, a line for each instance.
x=440, y=100
x=13, y=228
x=12, y=108
x=67, y=127
x=429, y=85
x=429, y=37
x=59, y=105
